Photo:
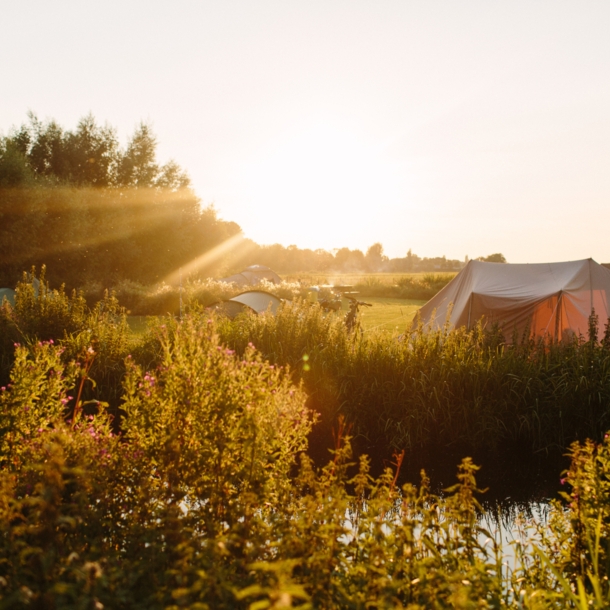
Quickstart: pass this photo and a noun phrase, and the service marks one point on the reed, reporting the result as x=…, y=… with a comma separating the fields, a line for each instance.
x=466, y=389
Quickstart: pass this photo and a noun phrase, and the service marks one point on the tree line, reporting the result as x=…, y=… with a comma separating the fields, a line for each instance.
x=92, y=210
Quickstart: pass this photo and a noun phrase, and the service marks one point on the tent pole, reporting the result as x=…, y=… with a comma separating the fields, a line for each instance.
x=558, y=315
x=590, y=286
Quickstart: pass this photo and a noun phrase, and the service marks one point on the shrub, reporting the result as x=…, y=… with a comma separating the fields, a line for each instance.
x=199, y=501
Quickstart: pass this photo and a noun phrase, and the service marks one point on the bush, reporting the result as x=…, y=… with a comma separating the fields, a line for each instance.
x=206, y=499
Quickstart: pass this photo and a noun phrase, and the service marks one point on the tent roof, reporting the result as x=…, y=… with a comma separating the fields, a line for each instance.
x=547, y=298
x=259, y=300
x=8, y=294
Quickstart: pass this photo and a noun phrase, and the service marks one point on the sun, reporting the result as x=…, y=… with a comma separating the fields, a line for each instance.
x=320, y=186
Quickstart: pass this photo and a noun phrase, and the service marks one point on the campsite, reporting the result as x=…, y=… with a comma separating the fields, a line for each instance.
x=305, y=305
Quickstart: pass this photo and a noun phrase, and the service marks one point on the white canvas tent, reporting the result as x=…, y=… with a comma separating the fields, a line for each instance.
x=257, y=301
x=548, y=299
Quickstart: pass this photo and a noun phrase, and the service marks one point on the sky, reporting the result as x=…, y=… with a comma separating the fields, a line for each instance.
x=456, y=128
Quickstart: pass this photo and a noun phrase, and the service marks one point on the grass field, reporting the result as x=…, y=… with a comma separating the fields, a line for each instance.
x=388, y=314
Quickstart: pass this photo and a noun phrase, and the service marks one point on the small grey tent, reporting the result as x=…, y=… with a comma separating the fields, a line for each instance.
x=7, y=294
x=257, y=301
x=548, y=299
x=253, y=275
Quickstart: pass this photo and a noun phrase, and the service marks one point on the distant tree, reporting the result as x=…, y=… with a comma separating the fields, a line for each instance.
x=375, y=257
x=349, y=260
x=412, y=260
x=493, y=258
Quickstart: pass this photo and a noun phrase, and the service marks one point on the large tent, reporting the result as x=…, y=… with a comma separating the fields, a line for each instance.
x=548, y=299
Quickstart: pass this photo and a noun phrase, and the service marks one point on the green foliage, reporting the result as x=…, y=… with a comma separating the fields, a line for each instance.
x=467, y=389
x=88, y=156
x=78, y=203
x=205, y=498
x=566, y=562
x=99, y=336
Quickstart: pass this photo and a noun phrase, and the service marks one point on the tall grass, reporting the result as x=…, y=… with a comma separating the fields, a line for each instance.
x=464, y=389
x=97, y=336
x=468, y=392
x=162, y=299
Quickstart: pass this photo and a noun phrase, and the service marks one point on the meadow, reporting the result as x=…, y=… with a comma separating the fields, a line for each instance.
x=209, y=463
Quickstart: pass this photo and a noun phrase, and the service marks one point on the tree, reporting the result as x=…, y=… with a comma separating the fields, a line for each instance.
x=87, y=156
x=91, y=153
x=138, y=166
x=349, y=260
x=498, y=257
x=89, y=210
x=375, y=257
x=14, y=168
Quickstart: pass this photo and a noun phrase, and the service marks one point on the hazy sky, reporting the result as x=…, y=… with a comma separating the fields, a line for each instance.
x=457, y=127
